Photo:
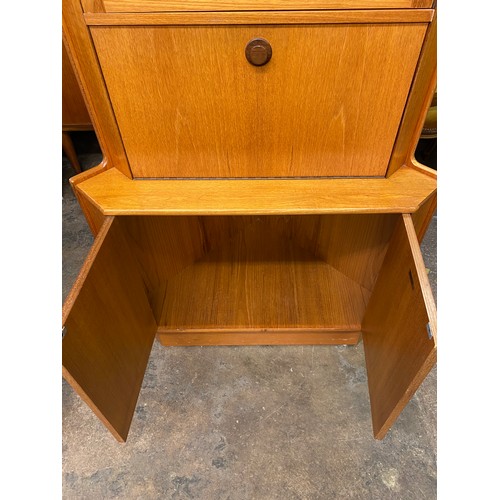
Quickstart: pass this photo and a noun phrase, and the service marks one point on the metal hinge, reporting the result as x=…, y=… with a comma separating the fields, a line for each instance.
x=63, y=331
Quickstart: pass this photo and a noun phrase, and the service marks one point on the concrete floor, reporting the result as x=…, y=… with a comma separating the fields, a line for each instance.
x=246, y=422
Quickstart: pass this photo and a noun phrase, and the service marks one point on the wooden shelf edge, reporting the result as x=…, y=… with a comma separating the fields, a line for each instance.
x=88, y=174
x=114, y=194
x=276, y=17
x=420, y=167
x=276, y=336
x=92, y=211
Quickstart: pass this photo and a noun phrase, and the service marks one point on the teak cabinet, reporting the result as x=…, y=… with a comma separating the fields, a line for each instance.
x=258, y=187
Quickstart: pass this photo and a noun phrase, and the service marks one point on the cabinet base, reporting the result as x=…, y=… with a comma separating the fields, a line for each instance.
x=248, y=336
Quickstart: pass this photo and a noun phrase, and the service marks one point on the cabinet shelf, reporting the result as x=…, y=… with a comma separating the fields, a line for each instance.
x=115, y=194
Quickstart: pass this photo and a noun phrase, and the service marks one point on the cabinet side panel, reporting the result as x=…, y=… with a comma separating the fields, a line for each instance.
x=94, y=216
x=109, y=330
x=400, y=348
x=164, y=247
x=421, y=94
x=74, y=111
x=423, y=216
x=353, y=244
x=83, y=58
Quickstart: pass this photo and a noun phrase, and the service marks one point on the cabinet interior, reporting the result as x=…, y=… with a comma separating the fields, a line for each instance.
x=241, y=274
x=249, y=280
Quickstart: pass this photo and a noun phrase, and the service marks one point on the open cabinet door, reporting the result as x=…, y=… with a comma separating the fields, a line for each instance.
x=109, y=330
x=399, y=328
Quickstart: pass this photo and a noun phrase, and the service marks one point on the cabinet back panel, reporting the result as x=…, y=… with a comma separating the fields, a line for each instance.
x=328, y=103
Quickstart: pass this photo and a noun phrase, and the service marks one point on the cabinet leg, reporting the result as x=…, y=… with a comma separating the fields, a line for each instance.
x=69, y=151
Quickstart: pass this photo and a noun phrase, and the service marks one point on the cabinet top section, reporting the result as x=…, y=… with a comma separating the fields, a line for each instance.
x=130, y=6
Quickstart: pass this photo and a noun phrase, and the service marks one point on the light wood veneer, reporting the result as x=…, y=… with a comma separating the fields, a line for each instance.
x=114, y=194
x=278, y=204
x=227, y=5
x=193, y=106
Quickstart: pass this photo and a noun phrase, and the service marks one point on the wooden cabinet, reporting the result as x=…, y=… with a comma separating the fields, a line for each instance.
x=253, y=198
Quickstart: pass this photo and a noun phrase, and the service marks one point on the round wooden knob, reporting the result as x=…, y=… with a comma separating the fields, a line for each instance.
x=258, y=52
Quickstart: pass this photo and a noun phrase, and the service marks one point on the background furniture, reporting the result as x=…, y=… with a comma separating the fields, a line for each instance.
x=75, y=116
x=426, y=151
x=251, y=200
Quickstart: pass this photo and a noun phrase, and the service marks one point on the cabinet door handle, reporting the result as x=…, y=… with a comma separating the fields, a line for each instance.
x=258, y=51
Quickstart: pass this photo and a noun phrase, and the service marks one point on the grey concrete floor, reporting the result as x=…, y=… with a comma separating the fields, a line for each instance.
x=246, y=422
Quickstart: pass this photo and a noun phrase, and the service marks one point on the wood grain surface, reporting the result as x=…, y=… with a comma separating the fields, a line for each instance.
x=217, y=5
x=115, y=194
x=194, y=107
x=398, y=351
x=74, y=110
x=110, y=330
x=354, y=245
x=165, y=246
x=261, y=280
x=86, y=66
x=252, y=261
x=93, y=214
x=248, y=336
x=98, y=18
x=423, y=216
x=421, y=94
x=92, y=6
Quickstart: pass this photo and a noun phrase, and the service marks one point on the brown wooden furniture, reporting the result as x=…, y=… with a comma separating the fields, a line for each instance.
x=242, y=203
x=75, y=116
